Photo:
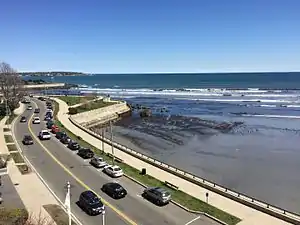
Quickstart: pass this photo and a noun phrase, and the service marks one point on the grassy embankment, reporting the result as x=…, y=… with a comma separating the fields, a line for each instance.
x=74, y=100
x=182, y=198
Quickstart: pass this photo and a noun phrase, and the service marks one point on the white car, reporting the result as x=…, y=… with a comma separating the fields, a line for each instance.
x=36, y=120
x=114, y=171
x=29, y=107
x=44, y=135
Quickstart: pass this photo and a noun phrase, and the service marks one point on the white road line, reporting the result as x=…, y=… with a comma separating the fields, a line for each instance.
x=193, y=220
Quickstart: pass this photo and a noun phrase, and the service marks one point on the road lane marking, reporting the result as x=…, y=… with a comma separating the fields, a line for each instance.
x=193, y=220
x=117, y=211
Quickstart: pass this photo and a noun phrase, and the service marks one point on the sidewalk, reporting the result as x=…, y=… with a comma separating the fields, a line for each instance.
x=29, y=187
x=248, y=215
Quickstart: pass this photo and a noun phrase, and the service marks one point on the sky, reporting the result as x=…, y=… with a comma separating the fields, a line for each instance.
x=140, y=36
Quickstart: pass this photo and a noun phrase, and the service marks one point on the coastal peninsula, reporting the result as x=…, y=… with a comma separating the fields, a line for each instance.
x=52, y=74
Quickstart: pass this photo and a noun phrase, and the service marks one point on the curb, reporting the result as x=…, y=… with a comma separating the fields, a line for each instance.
x=61, y=204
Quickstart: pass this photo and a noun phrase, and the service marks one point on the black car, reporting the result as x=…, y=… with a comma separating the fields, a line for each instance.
x=114, y=190
x=90, y=203
x=49, y=124
x=41, y=98
x=59, y=135
x=73, y=145
x=65, y=140
x=37, y=110
x=23, y=119
x=27, y=140
x=85, y=153
x=50, y=107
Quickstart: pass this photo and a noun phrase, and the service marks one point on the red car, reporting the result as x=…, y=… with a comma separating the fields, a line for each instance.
x=54, y=129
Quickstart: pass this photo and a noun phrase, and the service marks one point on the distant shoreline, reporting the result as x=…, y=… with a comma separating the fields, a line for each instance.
x=52, y=74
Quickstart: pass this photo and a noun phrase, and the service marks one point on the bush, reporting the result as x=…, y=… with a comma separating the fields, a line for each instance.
x=13, y=216
x=73, y=111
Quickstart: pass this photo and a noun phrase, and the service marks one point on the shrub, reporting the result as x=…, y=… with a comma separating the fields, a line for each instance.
x=73, y=111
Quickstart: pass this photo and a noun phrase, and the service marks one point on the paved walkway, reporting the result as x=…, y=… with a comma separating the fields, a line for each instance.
x=29, y=187
x=248, y=215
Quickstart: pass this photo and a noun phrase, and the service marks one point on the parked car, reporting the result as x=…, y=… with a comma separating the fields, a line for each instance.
x=27, y=140
x=29, y=107
x=114, y=190
x=49, y=114
x=65, y=140
x=60, y=134
x=36, y=120
x=42, y=98
x=31, y=95
x=25, y=101
x=49, y=124
x=90, y=203
x=44, y=135
x=157, y=195
x=54, y=129
x=37, y=110
x=114, y=171
x=85, y=153
x=98, y=162
x=23, y=119
x=73, y=145
x=47, y=118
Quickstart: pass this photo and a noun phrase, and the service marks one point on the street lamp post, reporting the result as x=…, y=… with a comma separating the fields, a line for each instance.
x=103, y=217
x=112, y=146
x=102, y=140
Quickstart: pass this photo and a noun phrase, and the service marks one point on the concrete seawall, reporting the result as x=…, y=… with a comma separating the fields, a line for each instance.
x=101, y=115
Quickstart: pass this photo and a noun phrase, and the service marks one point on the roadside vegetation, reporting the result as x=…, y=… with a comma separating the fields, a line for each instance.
x=21, y=217
x=10, y=118
x=74, y=100
x=12, y=148
x=57, y=214
x=5, y=129
x=8, y=139
x=177, y=195
x=17, y=157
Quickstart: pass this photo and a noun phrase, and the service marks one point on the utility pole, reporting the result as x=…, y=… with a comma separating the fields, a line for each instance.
x=112, y=146
x=102, y=140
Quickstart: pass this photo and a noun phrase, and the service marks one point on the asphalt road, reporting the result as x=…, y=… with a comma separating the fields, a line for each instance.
x=49, y=158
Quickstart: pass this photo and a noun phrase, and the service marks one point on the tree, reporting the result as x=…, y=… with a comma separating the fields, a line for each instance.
x=11, y=85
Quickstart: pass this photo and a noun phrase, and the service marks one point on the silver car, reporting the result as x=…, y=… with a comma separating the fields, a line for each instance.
x=98, y=162
x=157, y=195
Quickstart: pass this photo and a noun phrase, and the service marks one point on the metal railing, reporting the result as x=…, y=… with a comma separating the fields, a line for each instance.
x=262, y=206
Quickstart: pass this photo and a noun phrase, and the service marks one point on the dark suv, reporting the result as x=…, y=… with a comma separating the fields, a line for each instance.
x=23, y=119
x=65, y=140
x=27, y=140
x=90, y=203
x=85, y=153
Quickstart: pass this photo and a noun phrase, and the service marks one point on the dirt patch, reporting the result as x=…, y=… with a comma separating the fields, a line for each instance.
x=57, y=214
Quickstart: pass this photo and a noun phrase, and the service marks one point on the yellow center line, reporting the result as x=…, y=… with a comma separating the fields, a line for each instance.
x=121, y=214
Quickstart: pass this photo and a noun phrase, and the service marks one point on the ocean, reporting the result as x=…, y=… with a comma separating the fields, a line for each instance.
x=258, y=156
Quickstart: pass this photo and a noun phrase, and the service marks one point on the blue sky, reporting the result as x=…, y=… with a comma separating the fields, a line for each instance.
x=133, y=36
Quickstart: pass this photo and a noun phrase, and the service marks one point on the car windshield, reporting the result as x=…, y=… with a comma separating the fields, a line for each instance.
x=28, y=137
x=117, y=169
x=99, y=159
x=45, y=133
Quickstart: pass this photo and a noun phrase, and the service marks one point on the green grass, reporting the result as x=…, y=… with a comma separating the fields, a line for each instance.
x=8, y=138
x=177, y=195
x=12, y=148
x=74, y=100
x=13, y=216
x=5, y=129
x=10, y=118
x=17, y=157
x=57, y=214
x=93, y=105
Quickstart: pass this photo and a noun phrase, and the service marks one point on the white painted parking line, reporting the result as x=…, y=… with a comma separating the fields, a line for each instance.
x=193, y=220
